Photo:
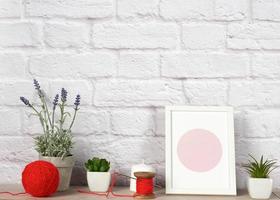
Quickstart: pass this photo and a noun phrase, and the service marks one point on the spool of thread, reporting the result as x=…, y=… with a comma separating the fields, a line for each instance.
x=144, y=185
x=139, y=168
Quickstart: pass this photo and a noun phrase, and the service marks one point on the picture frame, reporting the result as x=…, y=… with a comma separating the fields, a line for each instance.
x=200, y=152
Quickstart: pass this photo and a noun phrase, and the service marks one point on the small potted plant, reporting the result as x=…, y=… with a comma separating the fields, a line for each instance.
x=98, y=175
x=55, y=144
x=259, y=184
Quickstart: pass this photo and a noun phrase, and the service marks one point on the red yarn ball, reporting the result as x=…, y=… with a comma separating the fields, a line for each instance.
x=40, y=178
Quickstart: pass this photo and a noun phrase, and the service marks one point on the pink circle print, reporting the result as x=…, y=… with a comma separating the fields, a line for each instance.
x=199, y=150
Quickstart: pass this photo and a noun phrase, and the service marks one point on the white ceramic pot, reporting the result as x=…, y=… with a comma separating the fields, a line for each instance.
x=65, y=167
x=98, y=181
x=260, y=188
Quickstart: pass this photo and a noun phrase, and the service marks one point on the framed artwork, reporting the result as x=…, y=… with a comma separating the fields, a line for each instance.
x=200, y=155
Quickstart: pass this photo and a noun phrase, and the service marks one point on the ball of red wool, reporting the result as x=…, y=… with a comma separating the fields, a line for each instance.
x=40, y=178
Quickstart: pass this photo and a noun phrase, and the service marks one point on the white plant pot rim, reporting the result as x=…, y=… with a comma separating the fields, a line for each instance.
x=258, y=179
x=58, y=161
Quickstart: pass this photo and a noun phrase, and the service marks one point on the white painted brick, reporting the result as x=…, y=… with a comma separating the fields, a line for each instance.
x=262, y=123
x=128, y=151
x=17, y=149
x=241, y=177
x=73, y=87
x=138, y=93
x=58, y=42
x=133, y=122
x=266, y=65
x=239, y=117
x=254, y=93
x=160, y=122
x=11, y=174
x=136, y=8
x=12, y=65
x=266, y=10
x=186, y=9
x=64, y=65
x=31, y=123
x=69, y=8
x=19, y=34
x=180, y=65
x=66, y=35
x=206, y=92
x=143, y=36
x=10, y=8
x=11, y=91
x=96, y=146
x=86, y=122
x=91, y=122
x=10, y=122
x=203, y=36
x=254, y=36
x=81, y=153
x=139, y=65
x=257, y=148
x=231, y=9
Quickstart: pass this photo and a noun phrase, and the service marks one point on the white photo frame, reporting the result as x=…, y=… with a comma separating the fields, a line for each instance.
x=200, y=153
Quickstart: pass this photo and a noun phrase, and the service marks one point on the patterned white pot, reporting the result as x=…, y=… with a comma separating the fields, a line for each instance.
x=65, y=167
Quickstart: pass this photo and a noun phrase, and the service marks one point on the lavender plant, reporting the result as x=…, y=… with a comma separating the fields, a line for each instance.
x=57, y=139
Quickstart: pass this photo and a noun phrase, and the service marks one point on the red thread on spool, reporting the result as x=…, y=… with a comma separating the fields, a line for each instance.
x=144, y=186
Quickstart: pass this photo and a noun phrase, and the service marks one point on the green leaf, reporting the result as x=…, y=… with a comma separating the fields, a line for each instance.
x=97, y=165
x=260, y=169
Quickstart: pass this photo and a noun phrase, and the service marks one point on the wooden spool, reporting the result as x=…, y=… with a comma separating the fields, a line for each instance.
x=144, y=175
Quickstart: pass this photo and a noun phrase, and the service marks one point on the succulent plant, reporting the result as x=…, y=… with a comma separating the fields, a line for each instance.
x=97, y=165
x=260, y=169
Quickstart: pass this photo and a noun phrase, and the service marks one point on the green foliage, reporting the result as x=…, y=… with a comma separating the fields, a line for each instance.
x=54, y=144
x=260, y=169
x=57, y=139
x=97, y=165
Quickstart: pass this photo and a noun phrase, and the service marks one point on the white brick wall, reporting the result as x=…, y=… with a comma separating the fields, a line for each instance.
x=130, y=58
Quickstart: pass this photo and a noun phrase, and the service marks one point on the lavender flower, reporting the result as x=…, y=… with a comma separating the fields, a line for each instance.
x=25, y=101
x=77, y=102
x=63, y=95
x=36, y=84
x=55, y=101
x=38, y=88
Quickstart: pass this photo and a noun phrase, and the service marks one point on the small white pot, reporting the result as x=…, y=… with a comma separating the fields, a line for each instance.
x=260, y=188
x=98, y=181
x=64, y=167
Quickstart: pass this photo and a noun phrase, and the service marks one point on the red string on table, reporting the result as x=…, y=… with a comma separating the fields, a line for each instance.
x=110, y=190
x=144, y=186
x=13, y=194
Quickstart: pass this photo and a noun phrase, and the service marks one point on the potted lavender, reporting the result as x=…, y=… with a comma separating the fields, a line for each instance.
x=55, y=144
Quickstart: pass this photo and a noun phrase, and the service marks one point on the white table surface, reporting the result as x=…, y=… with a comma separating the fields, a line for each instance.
x=73, y=194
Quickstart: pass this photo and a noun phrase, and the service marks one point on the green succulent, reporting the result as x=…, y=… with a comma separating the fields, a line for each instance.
x=260, y=169
x=97, y=165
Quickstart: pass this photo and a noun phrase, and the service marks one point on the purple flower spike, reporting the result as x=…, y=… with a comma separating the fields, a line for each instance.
x=36, y=84
x=77, y=102
x=63, y=95
x=55, y=101
x=25, y=101
x=38, y=88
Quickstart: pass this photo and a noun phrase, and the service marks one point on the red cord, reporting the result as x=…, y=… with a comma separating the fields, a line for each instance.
x=143, y=187
x=13, y=194
x=110, y=190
